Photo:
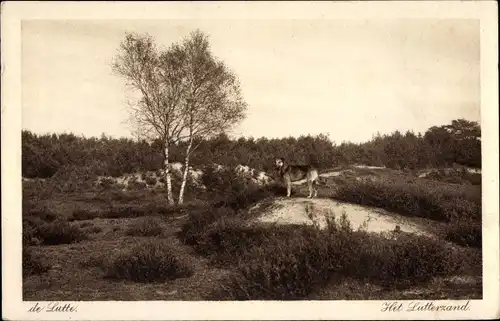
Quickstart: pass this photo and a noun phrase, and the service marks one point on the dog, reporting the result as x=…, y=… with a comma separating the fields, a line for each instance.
x=291, y=173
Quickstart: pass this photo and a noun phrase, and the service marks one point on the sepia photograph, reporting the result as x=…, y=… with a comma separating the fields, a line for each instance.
x=274, y=157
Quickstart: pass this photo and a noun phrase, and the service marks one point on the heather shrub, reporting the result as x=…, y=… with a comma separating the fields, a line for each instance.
x=147, y=226
x=199, y=221
x=31, y=228
x=136, y=185
x=138, y=210
x=125, y=211
x=83, y=214
x=43, y=213
x=407, y=260
x=455, y=177
x=93, y=229
x=291, y=264
x=465, y=234
x=150, y=180
x=32, y=265
x=72, y=178
x=234, y=190
x=149, y=262
x=107, y=183
x=413, y=199
x=33, y=219
x=60, y=232
x=94, y=260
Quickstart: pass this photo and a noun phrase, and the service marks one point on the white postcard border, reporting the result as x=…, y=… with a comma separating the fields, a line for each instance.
x=14, y=12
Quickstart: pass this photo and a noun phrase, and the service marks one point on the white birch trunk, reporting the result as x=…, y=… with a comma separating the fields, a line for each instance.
x=168, y=177
x=185, y=173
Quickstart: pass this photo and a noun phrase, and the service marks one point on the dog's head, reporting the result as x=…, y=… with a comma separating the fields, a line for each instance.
x=279, y=162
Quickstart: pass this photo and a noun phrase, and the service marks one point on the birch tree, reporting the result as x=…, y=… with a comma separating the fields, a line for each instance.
x=154, y=75
x=213, y=102
x=186, y=94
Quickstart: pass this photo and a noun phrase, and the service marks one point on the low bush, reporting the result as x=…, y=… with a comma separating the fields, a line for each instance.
x=31, y=228
x=93, y=229
x=93, y=261
x=150, y=180
x=147, y=226
x=131, y=211
x=465, y=234
x=199, y=221
x=43, y=213
x=149, y=262
x=32, y=265
x=59, y=232
x=462, y=177
x=413, y=199
x=83, y=215
x=125, y=211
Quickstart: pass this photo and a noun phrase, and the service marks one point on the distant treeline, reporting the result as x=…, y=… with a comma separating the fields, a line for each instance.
x=52, y=154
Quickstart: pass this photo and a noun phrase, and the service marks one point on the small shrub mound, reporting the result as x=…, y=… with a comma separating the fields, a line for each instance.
x=93, y=261
x=199, y=222
x=149, y=262
x=147, y=226
x=32, y=265
x=31, y=226
x=83, y=215
x=59, y=232
x=44, y=214
x=465, y=234
x=93, y=229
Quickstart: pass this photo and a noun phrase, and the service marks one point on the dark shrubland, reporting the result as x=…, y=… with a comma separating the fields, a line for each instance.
x=465, y=234
x=437, y=202
x=51, y=231
x=290, y=262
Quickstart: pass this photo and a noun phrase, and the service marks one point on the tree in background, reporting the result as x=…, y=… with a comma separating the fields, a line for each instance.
x=459, y=142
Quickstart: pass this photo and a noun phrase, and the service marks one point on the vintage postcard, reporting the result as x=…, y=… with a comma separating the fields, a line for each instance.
x=250, y=160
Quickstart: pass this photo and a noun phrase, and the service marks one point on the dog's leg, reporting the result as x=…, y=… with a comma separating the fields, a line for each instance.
x=315, y=188
x=288, y=183
x=310, y=184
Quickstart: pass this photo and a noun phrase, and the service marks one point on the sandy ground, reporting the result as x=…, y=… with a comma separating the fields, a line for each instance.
x=308, y=211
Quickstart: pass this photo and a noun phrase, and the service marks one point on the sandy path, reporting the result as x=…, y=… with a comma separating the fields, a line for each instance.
x=306, y=211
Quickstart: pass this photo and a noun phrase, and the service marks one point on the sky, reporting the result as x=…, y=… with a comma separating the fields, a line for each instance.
x=348, y=79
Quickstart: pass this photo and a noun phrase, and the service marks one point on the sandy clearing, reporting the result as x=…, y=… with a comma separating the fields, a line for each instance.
x=308, y=211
